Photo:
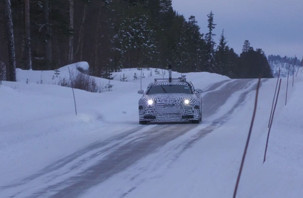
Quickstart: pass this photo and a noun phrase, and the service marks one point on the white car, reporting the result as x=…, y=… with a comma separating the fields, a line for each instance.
x=170, y=100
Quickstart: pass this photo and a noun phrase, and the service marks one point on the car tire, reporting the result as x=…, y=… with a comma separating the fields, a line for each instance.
x=199, y=120
x=196, y=121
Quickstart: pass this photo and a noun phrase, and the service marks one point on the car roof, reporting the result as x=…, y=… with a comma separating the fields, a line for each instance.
x=168, y=83
x=173, y=81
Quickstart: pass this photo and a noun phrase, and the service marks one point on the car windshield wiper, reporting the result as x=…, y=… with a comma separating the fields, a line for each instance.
x=164, y=90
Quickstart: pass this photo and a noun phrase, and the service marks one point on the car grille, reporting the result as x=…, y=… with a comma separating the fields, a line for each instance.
x=168, y=108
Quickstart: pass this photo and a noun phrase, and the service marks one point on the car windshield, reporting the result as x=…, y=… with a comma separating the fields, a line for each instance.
x=162, y=89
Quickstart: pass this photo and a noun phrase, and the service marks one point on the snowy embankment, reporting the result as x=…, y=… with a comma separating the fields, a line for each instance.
x=38, y=126
x=38, y=122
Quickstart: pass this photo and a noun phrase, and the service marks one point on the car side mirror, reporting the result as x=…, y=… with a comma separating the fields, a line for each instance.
x=198, y=91
x=141, y=92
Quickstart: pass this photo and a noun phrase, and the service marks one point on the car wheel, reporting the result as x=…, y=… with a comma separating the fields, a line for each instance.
x=196, y=121
x=199, y=120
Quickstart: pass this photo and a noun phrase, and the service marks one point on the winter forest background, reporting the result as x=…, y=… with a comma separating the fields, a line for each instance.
x=115, y=34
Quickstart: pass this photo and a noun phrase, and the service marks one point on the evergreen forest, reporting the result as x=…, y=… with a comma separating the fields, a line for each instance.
x=115, y=34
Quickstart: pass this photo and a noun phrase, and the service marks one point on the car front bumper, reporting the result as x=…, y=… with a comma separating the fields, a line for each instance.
x=169, y=114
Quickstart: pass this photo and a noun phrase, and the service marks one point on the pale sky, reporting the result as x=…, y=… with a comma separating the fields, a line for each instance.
x=276, y=26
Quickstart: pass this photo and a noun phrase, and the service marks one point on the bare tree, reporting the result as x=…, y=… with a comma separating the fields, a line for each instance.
x=11, y=66
x=71, y=32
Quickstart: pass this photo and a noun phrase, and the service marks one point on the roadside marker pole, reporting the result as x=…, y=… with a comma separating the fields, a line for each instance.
x=287, y=86
x=71, y=81
x=269, y=130
x=293, y=75
x=273, y=101
x=248, y=139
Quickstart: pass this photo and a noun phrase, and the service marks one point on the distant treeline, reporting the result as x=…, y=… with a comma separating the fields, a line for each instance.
x=115, y=34
x=285, y=59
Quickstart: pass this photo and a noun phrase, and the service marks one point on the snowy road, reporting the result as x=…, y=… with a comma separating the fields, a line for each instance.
x=90, y=167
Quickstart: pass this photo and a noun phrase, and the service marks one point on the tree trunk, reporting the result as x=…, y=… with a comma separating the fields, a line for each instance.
x=71, y=32
x=27, y=34
x=79, y=49
x=11, y=66
x=97, y=70
x=2, y=71
x=48, y=35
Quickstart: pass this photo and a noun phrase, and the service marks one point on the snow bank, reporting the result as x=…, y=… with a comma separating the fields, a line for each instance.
x=38, y=126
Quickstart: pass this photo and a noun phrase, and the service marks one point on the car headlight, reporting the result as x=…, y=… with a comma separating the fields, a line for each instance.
x=186, y=102
x=150, y=102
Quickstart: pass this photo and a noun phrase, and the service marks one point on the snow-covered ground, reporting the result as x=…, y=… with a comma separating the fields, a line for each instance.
x=38, y=127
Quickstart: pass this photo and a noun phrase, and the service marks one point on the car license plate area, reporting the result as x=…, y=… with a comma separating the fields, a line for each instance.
x=169, y=117
x=168, y=109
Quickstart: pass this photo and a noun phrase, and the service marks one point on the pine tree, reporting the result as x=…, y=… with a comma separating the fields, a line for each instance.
x=246, y=46
x=232, y=64
x=191, y=44
x=165, y=6
x=254, y=64
x=221, y=55
x=111, y=35
x=210, y=44
x=135, y=41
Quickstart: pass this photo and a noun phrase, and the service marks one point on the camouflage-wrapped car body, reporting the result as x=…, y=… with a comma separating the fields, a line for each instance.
x=175, y=101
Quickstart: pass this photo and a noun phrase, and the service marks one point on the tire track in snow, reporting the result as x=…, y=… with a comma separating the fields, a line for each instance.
x=70, y=177
x=170, y=153
x=105, y=159
x=116, y=161
x=165, y=135
x=173, y=152
x=75, y=160
x=218, y=122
